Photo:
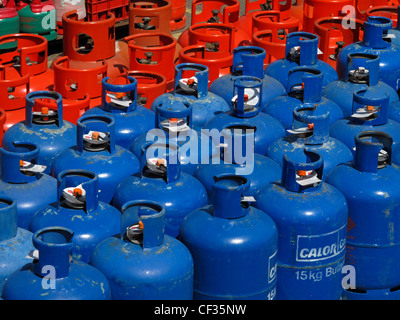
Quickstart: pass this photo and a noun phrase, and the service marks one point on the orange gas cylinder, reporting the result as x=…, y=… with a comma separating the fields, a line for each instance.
x=75, y=79
x=91, y=41
x=363, y=5
x=297, y=10
x=334, y=34
x=150, y=16
x=252, y=7
x=178, y=17
x=23, y=70
x=315, y=9
x=150, y=85
x=156, y=52
x=212, y=50
x=270, y=31
x=12, y=95
x=216, y=11
x=390, y=12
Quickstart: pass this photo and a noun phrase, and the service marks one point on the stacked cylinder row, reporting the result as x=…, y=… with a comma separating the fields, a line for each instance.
x=253, y=156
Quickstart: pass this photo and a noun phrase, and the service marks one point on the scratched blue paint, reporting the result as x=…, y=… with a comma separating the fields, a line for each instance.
x=159, y=267
x=69, y=279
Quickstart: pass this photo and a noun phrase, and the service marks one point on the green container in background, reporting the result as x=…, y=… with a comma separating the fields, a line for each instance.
x=41, y=20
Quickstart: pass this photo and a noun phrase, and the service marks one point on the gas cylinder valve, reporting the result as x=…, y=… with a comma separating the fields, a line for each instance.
x=267, y=6
x=148, y=60
x=134, y=233
x=96, y=141
x=214, y=18
x=145, y=24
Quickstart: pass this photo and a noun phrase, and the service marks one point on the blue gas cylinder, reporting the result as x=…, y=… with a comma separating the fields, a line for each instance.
x=78, y=208
x=97, y=151
x=15, y=243
x=119, y=101
x=310, y=130
x=160, y=179
x=174, y=123
x=304, y=88
x=247, y=101
x=191, y=85
x=361, y=72
x=311, y=217
x=234, y=245
x=54, y=275
x=371, y=186
x=373, y=42
x=45, y=128
x=367, y=114
x=141, y=262
x=23, y=180
x=393, y=34
x=301, y=50
x=248, y=61
x=237, y=157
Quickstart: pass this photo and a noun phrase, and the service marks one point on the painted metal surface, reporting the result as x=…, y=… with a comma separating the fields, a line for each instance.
x=237, y=157
x=248, y=61
x=301, y=50
x=371, y=187
x=66, y=280
x=315, y=9
x=364, y=120
x=310, y=130
x=211, y=44
x=362, y=72
x=101, y=155
x=30, y=190
x=374, y=42
x=92, y=220
x=44, y=127
x=149, y=265
x=15, y=243
x=178, y=191
x=304, y=88
x=88, y=42
x=23, y=69
x=224, y=12
x=39, y=17
x=174, y=124
x=334, y=34
x=205, y=104
x=9, y=20
x=268, y=129
x=234, y=242
x=119, y=101
x=150, y=16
